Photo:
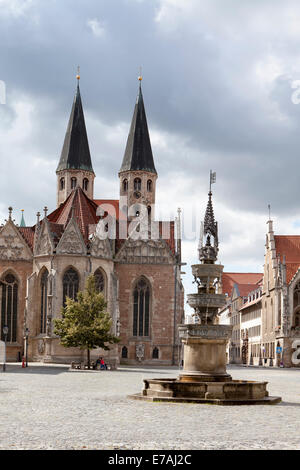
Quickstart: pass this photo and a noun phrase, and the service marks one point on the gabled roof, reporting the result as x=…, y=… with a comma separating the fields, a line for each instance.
x=75, y=152
x=229, y=279
x=138, y=152
x=80, y=207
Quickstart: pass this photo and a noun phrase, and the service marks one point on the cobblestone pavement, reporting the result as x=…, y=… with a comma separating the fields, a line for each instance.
x=50, y=407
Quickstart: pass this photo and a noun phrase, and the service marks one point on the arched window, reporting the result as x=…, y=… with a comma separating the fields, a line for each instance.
x=125, y=186
x=124, y=352
x=73, y=182
x=149, y=186
x=141, y=308
x=9, y=306
x=137, y=184
x=70, y=285
x=155, y=353
x=44, y=298
x=297, y=319
x=297, y=295
x=62, y=183
x=85, y=184
x=100, y=282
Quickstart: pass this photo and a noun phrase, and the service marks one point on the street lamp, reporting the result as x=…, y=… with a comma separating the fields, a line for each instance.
x=5, y=332
x=26, y=337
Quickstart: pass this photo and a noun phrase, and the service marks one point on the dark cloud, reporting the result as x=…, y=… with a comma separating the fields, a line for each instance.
x=217, y=89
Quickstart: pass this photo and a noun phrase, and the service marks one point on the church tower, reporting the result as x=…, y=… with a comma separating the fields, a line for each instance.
x=138, y=174
x=75, y=165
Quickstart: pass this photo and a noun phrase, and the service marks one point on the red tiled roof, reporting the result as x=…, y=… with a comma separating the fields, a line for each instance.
x=289, y=246
x=83, y=209
x=28, y=235
x=245, y=289
x=229, y=279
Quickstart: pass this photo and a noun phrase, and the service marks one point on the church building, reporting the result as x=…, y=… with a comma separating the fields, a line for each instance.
x=136, y=260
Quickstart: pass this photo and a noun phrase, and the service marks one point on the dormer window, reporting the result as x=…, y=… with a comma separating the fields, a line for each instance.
x=62, y=183
x=73, y=182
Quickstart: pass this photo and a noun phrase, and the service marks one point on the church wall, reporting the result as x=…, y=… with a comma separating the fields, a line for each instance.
x=21, y=270
x=161, y=279
x=40, y=347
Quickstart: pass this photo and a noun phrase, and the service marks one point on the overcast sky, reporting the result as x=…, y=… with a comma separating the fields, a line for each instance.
x=218, y=81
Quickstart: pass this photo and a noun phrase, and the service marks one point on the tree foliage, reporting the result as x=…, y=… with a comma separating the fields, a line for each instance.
x=85, y=322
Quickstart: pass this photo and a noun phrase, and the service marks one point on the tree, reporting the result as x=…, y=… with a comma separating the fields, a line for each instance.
x=85, y=322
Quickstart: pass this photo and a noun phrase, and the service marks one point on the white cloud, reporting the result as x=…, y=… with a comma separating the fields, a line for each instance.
x=96, y=27
x=15, y=8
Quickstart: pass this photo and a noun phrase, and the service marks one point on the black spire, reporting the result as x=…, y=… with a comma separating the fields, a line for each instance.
x=138, y=152
x=75, y=154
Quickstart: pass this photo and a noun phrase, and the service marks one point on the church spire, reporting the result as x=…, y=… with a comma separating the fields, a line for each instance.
x=22, y=223
x=209, y=228
x=75, y=152
x=138, y=153
x=75, y=165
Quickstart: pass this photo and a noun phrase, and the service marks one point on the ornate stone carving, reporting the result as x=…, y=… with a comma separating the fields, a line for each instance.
x=140, y=351
x=12, y=246
x=71, y=242
x=100, y=248
x=145, y=252
x=44, y=244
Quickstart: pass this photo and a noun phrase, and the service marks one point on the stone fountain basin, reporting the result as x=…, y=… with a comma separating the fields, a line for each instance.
x=235, y=392
x=232, y=389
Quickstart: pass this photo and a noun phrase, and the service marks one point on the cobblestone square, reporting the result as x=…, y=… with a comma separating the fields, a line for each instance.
x=50, y=407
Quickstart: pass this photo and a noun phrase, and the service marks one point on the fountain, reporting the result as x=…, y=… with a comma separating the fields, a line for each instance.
x=204, y=378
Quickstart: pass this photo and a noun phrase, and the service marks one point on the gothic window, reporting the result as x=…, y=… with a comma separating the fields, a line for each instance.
x=44, y=292
x=73, y=182
x=85, y=184
x=125, y=186
x=141, y=308
x=155, y=353
x=124, y=352
x=70, y=285
x=99, y=280
x=137, y=184
x=62, y=183
x=297, y=319
x=297, y=295
x=9, y=306
x=149, y=186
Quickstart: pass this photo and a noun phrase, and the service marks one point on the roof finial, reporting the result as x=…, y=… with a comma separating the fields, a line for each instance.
x=10, y=209
x=140, y=77
x=45, y=211
x=78, y=74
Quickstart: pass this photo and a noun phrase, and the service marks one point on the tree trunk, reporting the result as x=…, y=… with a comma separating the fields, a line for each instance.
x=88, y=359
